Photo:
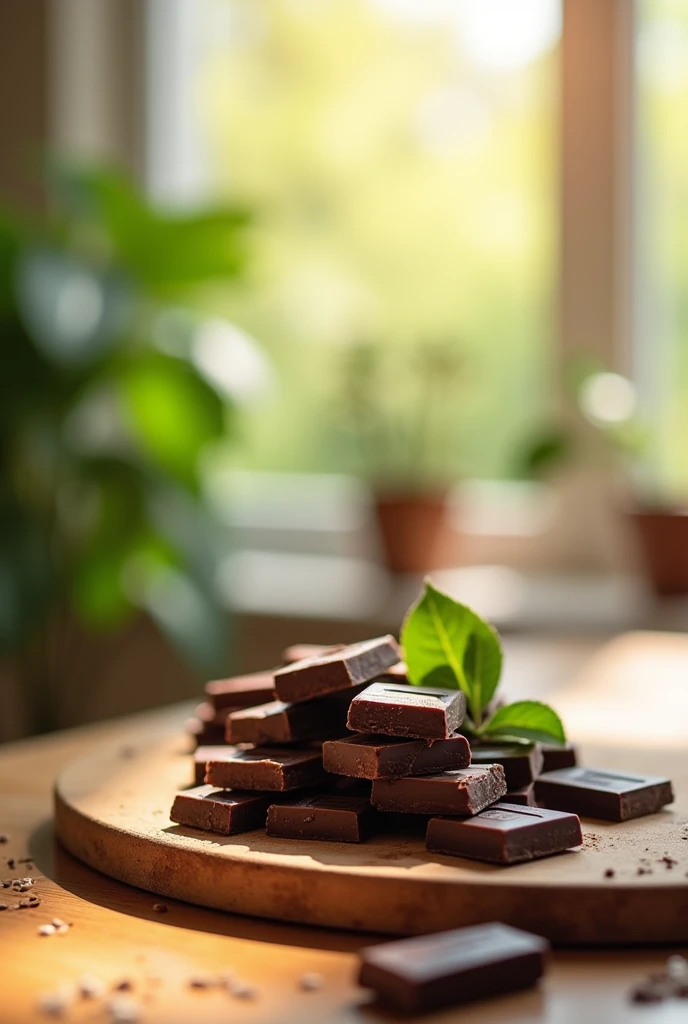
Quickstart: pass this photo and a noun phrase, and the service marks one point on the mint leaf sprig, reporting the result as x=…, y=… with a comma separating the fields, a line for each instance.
x=447, y=644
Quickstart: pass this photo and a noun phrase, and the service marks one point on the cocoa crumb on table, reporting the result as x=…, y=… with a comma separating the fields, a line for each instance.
x=160, y=908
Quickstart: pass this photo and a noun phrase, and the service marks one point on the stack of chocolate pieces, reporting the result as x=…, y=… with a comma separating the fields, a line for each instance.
x=407, y=743
x=286, y=764
x=273, y=750
x=208, y=724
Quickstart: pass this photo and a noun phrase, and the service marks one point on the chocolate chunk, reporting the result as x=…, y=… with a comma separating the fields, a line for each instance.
x=278, y=722
x=268, y=769
x=205, y=734
x=465, y=791
x=555, y=757
x=425, y=973
x=301, y=652
x=204, y=754
x=387, y=757
x=351, y=666
x=390, y=709
x=206, y=713
x=339, y=819
x=525, y=796
x=241, y=691
x=505, y=834
x=598, y=793
x=522, y=762
x=213, y=810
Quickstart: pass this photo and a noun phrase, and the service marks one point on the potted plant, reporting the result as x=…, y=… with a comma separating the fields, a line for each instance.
x=398, y=413
x=610, y=432
x=112, y=391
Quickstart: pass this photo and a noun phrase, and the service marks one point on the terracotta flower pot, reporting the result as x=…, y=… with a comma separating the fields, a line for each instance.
x=411, y=526
x=663, y=536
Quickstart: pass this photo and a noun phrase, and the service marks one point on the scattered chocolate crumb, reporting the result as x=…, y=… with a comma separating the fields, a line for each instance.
x=123, y=986
x=609, y=873
x=670, y=983
x=647, y=993
x=203, y=982
x=240, y=989
x=25, y=904
x=643, y=871
x=4, y=838
x=311, y=981
x=123, y=1010
x=10, y=863
x=53, y=1003
x=3, y=906
x=668, y=861
x=90, y=986
x=160, y=908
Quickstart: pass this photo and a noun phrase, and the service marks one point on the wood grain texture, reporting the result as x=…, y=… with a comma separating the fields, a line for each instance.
x=116, y=933
x=112, y=812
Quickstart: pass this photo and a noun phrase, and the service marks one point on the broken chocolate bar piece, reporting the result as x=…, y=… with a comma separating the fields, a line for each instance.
x=204, y=754
x=205, y=733
x=241, y=691
x=390, y=709
x=268, y=769
x=524, y=796
x=337, y=819
x=505, y=834
x=299, y=652
x=351, y=666
x=206, y=713
x=555, y=757
x=278, y=722
x=388, y=757
x=465, y=791
x=522, y=762
x=214, y=810
x=425, y=973
x=598, y=793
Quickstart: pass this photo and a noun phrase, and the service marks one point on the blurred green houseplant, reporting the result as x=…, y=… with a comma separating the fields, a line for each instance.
x=111, y=390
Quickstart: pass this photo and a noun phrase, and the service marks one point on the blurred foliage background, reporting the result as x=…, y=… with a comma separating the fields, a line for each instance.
x=115, y=388
x=406, y=191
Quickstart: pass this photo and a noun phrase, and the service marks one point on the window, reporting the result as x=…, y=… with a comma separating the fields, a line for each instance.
x=662, y=77
x=401, y=159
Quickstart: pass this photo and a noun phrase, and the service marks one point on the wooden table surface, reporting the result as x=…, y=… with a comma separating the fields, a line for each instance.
x=118, y=936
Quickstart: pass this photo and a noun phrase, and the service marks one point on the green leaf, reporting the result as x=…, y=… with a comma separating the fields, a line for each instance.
x=446, y=644
x=163, y=252
x=172, y=412
x=98, y=595
x=525, y=720
x=543, y=454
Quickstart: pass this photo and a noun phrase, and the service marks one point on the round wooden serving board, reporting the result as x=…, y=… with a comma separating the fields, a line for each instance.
x=112, y=812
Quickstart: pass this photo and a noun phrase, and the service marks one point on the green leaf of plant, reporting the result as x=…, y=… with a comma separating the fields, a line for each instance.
x=172, y=412
x=447, y=644
x=97, y=592
x=164, y=252
x=525, y=720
